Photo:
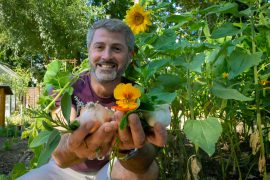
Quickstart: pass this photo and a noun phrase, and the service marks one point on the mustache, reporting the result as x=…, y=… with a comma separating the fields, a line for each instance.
x=103, y=62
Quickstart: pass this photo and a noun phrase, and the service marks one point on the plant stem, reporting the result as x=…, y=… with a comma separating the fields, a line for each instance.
x=190, y=100
x=58, y=95
x=257, y=96
x=235, y=157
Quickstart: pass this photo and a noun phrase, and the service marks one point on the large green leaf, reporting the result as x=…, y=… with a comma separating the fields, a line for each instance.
x=52, y=143
x=42, y=138
x=18, y=170
x=228, y=93
x=151, y=68
x=196, y=63
x=180, y=19
x=66, y=106
x=56, y=76
x=166, y=41
x=204, y=133
x=227, y=29
x=162, y=97
x=240, y=61
x=221, y=8
x=52, y=69
x=170, y=82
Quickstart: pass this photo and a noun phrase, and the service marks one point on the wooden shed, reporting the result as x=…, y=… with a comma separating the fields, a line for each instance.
x=10, y=99
x=4, y=91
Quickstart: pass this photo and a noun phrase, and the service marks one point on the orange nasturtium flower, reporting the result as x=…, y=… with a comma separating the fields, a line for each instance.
x=138, y=19
x=126, y=97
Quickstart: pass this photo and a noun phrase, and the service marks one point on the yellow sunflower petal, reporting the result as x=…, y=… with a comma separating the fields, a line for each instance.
x=138, y=19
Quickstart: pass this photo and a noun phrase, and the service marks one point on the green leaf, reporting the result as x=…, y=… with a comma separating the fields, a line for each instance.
x=196, y=64
x=227, y=29
x=124, y=122
x=52, y=69
x=239, y=61
x=166, y=41
x=147, y=106
x=47, y=126
x=18, y=170
x=66, y=106
x=204, y=133
x=74, y=125
x=222, y=8
x=162, y=97
x=228, y=93
x=4, y=177
x=151, y=68
x=170, y=82
x=56, y=76
x=53, y=141
x=181, y=19
x=42, y=138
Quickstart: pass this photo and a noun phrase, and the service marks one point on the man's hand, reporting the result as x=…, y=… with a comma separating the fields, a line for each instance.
x=92, y=139
x=157, y=135
x=133, y=136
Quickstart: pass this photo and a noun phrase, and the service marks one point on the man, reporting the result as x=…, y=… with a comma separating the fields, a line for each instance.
x=83, y=154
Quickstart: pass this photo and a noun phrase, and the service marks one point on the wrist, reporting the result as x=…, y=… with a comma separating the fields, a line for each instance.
x=125, y=155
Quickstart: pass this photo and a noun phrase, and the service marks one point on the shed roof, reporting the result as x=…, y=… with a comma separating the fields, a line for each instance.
x=4, y=69
x=6, y=89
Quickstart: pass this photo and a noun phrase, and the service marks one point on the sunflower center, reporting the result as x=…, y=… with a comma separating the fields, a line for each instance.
x=138, y=19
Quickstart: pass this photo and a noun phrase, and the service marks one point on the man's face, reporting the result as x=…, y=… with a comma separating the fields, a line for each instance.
x=108, y=55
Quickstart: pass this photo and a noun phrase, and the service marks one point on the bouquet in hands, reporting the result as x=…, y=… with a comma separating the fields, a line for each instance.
x=132, y=99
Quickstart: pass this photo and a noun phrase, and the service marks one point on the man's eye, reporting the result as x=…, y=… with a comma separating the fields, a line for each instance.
x=98, y=47
x=117, y=49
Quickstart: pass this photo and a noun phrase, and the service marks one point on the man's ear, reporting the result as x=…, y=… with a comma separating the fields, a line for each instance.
x=131, y=54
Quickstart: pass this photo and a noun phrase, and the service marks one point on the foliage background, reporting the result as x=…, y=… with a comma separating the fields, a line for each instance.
x=214, y=55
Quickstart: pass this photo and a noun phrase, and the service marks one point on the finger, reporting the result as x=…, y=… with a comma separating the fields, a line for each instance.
x=159, y=135
x=103, y=136
x=124, y=134
x=118, y=115
x=76, y=139
x=136, y=128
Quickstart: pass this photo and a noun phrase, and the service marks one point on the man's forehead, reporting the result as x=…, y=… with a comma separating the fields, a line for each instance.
x=103, y=35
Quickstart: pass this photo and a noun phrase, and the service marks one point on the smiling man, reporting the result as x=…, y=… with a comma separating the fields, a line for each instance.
x=84, y=154
x=109, y=57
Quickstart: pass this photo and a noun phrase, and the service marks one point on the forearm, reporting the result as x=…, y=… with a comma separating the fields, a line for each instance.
x=142, y=161
x=63, y=156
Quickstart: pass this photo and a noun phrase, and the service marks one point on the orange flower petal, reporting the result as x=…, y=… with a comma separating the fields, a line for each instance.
x=126, y=96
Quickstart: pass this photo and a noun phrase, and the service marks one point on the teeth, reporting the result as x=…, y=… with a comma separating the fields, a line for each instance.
x=106, y=66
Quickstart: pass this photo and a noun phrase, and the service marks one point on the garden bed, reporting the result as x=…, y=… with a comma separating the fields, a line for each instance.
x=12, y=151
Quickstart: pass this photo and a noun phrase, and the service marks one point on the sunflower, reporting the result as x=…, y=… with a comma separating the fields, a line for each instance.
x=126, y=97
x=138, y=19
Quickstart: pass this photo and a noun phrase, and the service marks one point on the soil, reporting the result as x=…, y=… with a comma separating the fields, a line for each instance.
x=12, y=151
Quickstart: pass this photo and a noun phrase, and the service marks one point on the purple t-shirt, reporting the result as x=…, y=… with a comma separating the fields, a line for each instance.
x=82, y=94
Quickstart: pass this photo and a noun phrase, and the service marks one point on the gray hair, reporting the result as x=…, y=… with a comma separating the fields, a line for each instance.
x=113, y=25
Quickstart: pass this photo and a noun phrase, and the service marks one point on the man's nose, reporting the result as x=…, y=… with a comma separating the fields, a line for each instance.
x=107, y=54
